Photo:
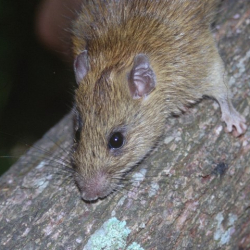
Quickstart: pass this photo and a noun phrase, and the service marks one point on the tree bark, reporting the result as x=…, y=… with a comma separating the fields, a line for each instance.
x=192, y=192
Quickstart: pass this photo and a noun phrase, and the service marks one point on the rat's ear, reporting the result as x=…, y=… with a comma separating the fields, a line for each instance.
x=81, y=66
x=141, y=79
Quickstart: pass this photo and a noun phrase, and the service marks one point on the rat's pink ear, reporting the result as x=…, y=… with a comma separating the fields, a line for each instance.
x=81, y=66
x=141, y=79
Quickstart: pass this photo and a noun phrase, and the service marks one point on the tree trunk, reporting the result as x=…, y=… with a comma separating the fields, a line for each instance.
x=192, y=192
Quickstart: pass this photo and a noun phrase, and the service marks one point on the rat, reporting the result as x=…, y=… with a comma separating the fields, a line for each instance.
x=137, y=63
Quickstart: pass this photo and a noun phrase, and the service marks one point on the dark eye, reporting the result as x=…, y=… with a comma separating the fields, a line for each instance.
x=116, y=140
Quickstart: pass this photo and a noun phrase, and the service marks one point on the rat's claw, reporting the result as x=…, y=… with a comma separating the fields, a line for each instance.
x=236, y=123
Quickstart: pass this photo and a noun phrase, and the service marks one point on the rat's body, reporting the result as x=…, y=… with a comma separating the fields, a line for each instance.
x=137, y=62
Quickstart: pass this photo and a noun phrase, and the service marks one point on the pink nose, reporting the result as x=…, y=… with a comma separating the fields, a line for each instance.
x=97, y=186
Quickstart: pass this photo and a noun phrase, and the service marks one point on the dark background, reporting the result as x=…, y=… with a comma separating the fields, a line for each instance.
x=36, y=87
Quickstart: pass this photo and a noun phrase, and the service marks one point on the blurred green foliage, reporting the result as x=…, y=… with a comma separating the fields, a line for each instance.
x=35, y=86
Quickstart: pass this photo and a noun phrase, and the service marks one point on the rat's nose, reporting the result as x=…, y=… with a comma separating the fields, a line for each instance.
x=95, y=187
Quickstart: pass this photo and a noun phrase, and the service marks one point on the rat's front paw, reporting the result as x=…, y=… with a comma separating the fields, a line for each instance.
x=236, y=123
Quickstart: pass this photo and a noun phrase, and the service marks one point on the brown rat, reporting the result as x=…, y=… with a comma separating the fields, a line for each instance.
x=136, y=63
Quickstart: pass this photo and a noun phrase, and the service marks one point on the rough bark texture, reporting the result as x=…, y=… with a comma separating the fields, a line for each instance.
x=192, y=192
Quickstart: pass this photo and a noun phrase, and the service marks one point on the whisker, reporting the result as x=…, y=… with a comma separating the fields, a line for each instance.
x=63, y=149
x=40, y=149
x=64, y=166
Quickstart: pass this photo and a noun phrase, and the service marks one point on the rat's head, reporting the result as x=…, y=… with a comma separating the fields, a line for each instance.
x=116, y=123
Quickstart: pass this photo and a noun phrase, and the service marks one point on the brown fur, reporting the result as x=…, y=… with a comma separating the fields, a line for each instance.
x=175, y=35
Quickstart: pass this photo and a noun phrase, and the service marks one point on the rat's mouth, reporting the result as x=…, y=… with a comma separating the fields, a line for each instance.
x=93, y=197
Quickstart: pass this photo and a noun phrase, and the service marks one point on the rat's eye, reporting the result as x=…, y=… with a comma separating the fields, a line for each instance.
x=116, y=140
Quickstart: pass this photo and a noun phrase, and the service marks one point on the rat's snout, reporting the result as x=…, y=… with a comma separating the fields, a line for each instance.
x=95, y=186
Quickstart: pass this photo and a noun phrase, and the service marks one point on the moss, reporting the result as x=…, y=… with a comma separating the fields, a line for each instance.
x=111, y=236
